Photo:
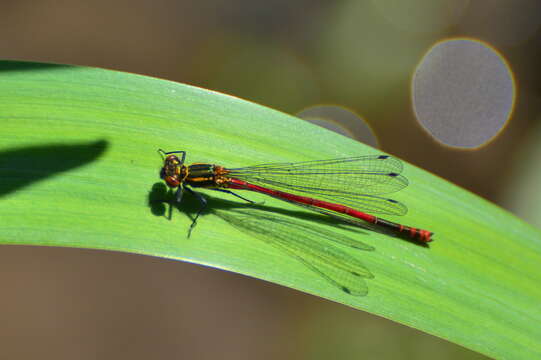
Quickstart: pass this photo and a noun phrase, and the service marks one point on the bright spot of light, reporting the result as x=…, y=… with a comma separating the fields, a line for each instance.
x=463, y=92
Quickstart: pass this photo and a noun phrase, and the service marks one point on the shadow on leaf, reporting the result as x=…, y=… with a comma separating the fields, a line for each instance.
x=316, y=247
x=25, y=166
x=13, y=65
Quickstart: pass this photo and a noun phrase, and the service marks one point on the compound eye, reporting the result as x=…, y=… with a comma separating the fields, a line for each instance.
x=162, y=173
x=172, y=182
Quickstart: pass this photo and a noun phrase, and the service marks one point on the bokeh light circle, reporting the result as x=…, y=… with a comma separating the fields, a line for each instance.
x=340, y=120
x=463, y=92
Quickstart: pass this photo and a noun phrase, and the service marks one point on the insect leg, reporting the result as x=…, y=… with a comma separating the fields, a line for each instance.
x=237, y=195
x=162, y=153
x=203, y=203
x=179, y=193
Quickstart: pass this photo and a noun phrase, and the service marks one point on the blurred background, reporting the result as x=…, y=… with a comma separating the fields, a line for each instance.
x=450, y=86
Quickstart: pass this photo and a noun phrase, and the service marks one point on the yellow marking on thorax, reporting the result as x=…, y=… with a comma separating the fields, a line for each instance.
x=201, y=179
x=186, y=172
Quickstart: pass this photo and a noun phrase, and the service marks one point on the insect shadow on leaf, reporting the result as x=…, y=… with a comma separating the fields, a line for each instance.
x=323, y=251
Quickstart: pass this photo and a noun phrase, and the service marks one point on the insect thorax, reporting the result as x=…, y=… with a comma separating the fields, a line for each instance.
x=201, y=175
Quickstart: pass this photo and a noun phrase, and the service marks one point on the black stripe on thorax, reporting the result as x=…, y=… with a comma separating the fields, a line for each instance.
x=201, y=175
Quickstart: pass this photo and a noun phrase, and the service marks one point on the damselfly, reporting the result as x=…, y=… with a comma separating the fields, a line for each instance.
x=345, y=185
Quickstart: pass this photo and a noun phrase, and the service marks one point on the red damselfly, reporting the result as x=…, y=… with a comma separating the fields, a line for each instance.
x=345, y=185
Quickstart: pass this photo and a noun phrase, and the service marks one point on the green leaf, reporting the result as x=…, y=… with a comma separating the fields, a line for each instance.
x=80, y=168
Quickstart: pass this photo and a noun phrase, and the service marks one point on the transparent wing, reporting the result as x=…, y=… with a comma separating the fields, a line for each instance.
x=356, y=182
x=311, y=245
